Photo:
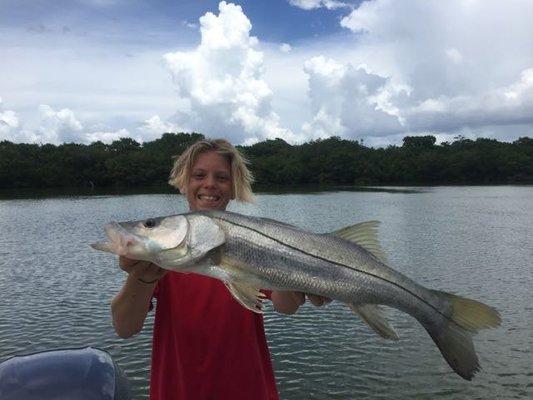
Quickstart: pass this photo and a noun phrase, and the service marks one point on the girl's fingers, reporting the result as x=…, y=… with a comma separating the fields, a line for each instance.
x=318, y=300
x=299, y=298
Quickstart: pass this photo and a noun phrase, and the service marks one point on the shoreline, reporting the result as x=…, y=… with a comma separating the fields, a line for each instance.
x=38, y=193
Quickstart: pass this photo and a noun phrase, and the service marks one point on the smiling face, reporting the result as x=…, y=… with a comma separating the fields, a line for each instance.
x=210, y=185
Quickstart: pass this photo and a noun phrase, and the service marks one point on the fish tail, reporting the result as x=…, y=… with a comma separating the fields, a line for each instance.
x=453, y=335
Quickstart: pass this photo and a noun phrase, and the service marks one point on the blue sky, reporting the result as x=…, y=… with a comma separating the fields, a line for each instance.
x=376, y=71
x=159, y=22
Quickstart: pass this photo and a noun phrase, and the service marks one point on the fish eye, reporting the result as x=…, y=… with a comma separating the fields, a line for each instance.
x=149, y=223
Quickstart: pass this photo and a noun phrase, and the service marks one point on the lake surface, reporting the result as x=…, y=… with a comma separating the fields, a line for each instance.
x=475, y=241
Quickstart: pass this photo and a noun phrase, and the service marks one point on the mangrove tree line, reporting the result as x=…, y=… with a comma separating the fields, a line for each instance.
x=332, y=161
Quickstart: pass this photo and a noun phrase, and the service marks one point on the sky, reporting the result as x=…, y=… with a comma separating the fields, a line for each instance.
x=373, y=71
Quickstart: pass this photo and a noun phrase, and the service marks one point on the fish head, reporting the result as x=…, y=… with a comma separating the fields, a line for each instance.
x=144, y=239
x=171, y=242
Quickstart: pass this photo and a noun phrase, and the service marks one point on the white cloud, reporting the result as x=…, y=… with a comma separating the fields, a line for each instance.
x=348, y=101
x=454, y=55
x=285, y=47
x=222, y=81
x=9, y=123
x=113, y=84
x=190, y=25
x=54, y=127
x=106, y=137
x=507, y=105
x=463, y=65
x=57, y=126
x=314, y=4
x=365, y=17
x=444, y=67
x=154, y=127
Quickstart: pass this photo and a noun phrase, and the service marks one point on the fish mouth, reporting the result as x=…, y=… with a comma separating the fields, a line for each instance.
x=120, y=240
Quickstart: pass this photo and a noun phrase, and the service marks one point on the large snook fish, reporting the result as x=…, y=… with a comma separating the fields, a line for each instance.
x=249, y=253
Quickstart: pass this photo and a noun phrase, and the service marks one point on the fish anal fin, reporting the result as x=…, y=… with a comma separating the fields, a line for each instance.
x=363, y=234
x=248, y=296
x=373, y=316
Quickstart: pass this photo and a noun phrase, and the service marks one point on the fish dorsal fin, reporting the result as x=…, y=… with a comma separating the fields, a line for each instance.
x=249, y=297
x=364, y=234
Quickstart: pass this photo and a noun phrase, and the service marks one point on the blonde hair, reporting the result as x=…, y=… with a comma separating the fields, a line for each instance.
x=241, y=176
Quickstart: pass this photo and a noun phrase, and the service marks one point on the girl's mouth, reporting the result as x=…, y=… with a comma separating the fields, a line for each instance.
x=206, y=197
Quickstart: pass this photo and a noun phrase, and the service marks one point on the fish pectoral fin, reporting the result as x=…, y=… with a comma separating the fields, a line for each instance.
x=373, y=316
x=248, y=296
x=363, y=234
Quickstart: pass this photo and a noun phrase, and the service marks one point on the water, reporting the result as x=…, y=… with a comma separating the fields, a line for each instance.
x=476, y=241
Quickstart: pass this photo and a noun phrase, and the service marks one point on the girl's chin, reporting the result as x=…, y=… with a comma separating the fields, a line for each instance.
x=208, y=205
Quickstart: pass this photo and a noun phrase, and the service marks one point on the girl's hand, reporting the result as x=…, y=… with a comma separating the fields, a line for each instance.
x=289, y=302
x=145, y=271
x=318, y=301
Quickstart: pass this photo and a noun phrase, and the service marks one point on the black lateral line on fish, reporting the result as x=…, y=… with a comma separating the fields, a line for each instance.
x=340, y=264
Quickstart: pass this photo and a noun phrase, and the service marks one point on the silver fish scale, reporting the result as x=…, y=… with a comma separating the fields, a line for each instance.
x=273, y=255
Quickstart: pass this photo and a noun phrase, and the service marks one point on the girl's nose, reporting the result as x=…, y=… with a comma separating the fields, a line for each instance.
x=210, y=181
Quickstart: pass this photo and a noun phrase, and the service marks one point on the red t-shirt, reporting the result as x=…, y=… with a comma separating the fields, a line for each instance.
x=206, y=345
